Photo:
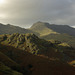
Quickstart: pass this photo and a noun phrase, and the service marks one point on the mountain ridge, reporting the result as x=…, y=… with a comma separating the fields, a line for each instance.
x=37, y=56
x=55, y=29
x=38, y=28
x=10, y=29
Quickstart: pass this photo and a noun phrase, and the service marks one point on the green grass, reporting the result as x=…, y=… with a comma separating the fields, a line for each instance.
x=61, y=37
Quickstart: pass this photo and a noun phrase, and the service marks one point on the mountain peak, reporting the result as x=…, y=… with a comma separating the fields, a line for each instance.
x=39, y=23
x=42, y=28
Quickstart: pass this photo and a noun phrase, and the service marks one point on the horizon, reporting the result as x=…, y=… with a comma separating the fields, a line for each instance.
x=26, y=27
x=24, y=12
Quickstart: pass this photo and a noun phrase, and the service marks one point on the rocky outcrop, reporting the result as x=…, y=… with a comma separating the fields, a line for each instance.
x=31, y=43
x=23, y=41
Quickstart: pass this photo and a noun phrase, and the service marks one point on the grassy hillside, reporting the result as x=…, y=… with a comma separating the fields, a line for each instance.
x=61, y=37
x=30, y=55
x=42, y=29
x=63, y=33
x=37, y=65
x=62, y=29
x=10, y=29
x=34, y=45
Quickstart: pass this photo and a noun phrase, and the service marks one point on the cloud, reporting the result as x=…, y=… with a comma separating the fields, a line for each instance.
x=26, y=12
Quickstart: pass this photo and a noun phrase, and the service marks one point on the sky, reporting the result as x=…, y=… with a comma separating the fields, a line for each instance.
x=24, y=13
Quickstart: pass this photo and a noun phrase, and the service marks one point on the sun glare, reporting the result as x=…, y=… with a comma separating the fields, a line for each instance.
x=2, y=16
x=2, y=1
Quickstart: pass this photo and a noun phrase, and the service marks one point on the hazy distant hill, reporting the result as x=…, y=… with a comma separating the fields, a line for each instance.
x=63, y=29
x=39, y=28
x=42, y=29
x=9, y=29
x=45, y=28
x=63, y=33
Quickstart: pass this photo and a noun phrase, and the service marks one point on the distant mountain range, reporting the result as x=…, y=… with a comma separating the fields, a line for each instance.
x=43, y=49
x=10, y=29
x=63, y=33
x=39, y=28
x=45, y=29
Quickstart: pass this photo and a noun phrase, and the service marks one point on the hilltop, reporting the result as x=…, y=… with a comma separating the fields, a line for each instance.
x=63, y=33
x=44, y=29
x=10, y=29
x=38, y=28
x=34, y=45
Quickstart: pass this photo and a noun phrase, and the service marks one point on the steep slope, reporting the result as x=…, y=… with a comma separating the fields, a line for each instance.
x=8, y=66
x=9, y=29
x=37, y=65
x=7, y=61
x=62, y=29
x=61, y=37
x=31, y=43
x=45, y=28
x=63, y=33
x=42, y=29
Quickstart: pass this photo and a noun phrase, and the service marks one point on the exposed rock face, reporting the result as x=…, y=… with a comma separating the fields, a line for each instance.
x=22, y=41
x=31, y=43
x=28, y=41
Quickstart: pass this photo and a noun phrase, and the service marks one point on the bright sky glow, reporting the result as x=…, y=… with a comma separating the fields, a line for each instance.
x=26, y=12
x=2, y=1
x=2, y=16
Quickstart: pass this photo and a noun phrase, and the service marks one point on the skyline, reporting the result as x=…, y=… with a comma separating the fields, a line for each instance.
x=24, y=13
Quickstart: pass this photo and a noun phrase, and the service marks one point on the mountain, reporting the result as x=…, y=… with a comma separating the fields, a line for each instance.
x=27, y=54
x=61, y=37
x=34, y=45
x=39, y=28
x=63, y=33
x=44, y=29
x=10, y=29
x=32, y=64
x=63, y=29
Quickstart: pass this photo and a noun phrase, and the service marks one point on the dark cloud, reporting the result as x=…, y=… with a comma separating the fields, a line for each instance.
x=25, y=12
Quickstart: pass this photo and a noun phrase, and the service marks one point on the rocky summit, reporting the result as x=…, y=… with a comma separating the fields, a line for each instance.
x=34, y=45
